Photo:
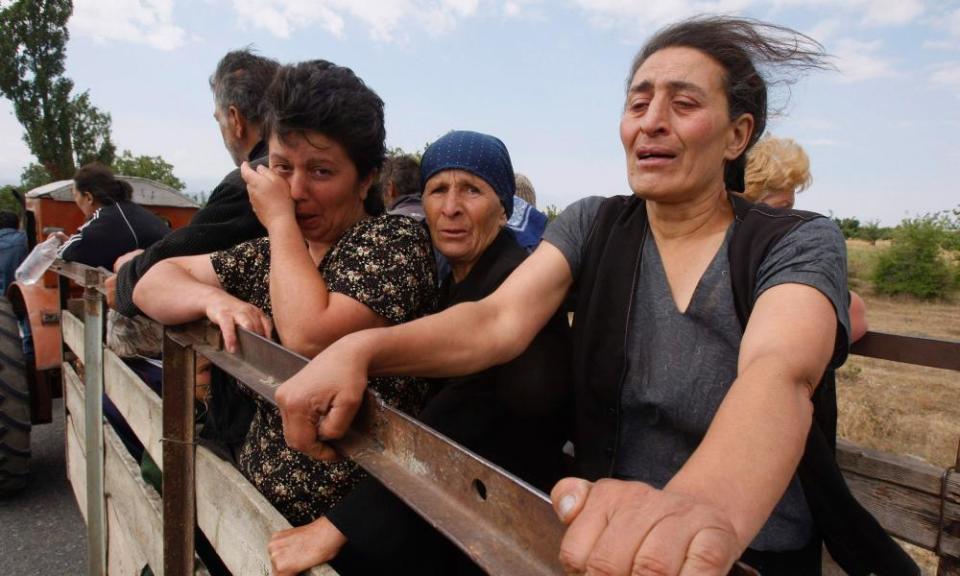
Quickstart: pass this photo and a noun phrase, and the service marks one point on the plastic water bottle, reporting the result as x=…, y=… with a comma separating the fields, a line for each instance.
x=37, y=262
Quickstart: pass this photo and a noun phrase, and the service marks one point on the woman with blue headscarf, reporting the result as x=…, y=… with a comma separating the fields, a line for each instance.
x=511, y=414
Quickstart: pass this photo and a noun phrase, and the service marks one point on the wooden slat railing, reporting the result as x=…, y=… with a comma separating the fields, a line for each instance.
x=913, y=500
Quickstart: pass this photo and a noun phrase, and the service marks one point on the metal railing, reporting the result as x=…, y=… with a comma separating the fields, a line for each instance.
x=503, y=524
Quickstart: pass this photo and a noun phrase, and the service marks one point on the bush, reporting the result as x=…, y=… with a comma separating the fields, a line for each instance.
x=872, y=231
x=913, y=264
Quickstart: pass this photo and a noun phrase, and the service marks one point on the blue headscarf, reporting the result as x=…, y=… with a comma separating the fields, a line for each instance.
x=480, y=154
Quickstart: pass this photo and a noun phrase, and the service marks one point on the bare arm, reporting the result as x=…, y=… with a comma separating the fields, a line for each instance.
x=185, y=289
x=308, y=317
x=858, y=317
x=461, y=340
x=718, y=501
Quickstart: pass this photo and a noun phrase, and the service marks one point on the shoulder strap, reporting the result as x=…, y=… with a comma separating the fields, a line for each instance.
x=758, y=229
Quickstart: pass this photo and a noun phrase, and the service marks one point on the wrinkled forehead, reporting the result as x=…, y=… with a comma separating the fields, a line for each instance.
x=458, y=177
x=679, y=67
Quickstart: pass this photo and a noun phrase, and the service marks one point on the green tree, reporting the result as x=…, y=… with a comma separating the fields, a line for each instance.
x=871, y=232
x=552, y=212
x=90, y=132
x=34, y=175
x=849, y=226
x=913, y=264
x=7, y=200
x=152, y=167
x=32, y=49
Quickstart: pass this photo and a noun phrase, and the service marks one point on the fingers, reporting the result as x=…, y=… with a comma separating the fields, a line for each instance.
x=336, y=421
x=618, y=527
x=585, y=528
x=568, y=496
x=712, y=552
x=229, y=331
x=267, y=326
x=248, y=174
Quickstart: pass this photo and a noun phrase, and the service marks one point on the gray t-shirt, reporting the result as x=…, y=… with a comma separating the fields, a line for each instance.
x=680, y=366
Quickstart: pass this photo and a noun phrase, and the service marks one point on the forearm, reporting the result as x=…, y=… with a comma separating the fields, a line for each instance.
x=171, y=295
x=752, y=449
x=461, y=340
x=298, y=293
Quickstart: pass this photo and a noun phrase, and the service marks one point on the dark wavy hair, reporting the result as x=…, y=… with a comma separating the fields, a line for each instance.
x=97, y=180
x=319, y=96
x=753, y=54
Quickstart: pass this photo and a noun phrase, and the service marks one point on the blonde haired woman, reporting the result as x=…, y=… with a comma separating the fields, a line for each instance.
x=777, y=168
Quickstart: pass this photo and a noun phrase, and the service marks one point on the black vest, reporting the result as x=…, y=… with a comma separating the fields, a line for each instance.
x=603, y=296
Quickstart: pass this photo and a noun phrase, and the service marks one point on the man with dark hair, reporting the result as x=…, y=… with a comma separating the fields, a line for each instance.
x=238, y=84
x=400, y=185
x=13, y=247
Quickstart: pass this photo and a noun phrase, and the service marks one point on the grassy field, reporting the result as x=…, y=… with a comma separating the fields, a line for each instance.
x=895, y=407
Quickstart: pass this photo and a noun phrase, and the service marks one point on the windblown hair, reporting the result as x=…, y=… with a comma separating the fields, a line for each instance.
x=754, y=55
x=525, y=190
x=241, y=80
x=404, y=172
x=318, y=96
x=97, y=180
x=776, y=164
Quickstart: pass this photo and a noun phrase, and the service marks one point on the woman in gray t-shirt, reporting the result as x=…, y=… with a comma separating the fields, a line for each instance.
x=710, y=423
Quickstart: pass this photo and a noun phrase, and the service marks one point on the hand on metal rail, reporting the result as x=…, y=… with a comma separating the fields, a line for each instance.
x=321, y=400
x=617, y=527
x=228, y=312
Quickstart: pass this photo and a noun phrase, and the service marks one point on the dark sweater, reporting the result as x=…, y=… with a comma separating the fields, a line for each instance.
x=111, y=232
x=512, y=414
x=225, y=221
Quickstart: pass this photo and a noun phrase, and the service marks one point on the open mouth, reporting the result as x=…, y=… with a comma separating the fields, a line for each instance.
x=655, y=155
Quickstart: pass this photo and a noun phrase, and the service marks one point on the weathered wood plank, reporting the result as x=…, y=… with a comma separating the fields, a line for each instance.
x=72, y=328
x=903, y=471
x=905, y=513
x=73, y=397
x=236, y=518
x=136, y=509
x=76, y=464
x=140, y=406
x=123, y=555
x=953, y=487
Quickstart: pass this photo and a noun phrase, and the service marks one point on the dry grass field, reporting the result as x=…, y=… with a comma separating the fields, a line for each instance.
x=897, y=407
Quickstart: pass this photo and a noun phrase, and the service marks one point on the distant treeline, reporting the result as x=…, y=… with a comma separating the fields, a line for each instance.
x=922, y=260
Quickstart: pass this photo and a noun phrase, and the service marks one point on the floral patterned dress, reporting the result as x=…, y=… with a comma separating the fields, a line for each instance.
x=385, y=263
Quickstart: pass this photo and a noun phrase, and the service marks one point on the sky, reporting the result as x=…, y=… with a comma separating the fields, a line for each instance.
x=547, y=77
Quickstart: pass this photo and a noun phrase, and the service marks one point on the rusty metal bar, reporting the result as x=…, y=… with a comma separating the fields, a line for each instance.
x=909, y=350
x=179, y=493
x=505, y=525
x=93, y=420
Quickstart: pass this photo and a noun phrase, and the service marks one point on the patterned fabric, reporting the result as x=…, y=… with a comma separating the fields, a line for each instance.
x=385, y=263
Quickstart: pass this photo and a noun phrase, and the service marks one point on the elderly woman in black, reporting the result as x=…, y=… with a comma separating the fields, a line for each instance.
x=704, y=340
x=510, y=413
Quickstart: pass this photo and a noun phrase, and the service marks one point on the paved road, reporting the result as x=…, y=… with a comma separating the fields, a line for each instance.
x=41, y=530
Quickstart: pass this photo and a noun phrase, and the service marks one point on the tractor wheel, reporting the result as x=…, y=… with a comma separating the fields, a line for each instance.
x=14, y=405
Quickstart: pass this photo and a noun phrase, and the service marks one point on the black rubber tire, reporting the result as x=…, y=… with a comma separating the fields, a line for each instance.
x=14, y=405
